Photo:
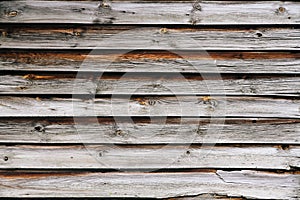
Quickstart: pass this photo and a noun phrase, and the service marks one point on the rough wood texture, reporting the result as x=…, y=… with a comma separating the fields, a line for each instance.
x=246, y=184
x=150, y=106
x=149, y=84
x=206, y=12
x=148, y=157
x=165, y=37
x=143, y=131
x=162, y=115
x=151, y=61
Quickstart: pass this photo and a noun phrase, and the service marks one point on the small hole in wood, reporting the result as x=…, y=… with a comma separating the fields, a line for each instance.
x=188, y=152
x=259, y=34
x=5, y=158
x=254, y=121
x=100, y=154
x=39, y=128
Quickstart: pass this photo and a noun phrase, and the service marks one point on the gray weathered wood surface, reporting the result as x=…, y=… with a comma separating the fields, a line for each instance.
x=183, y=106
x=122, y=12
x=205, y=146
x=245, y=184
x=148, y=157
x=119, y=37
x=156, y=131
x=149, y=84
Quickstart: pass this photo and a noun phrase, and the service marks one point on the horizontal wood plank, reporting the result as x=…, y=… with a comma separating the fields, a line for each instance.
x=56, y=145
x=150, y=61
x=155, y=131
x=164, y=37
x=245, y=184
x=149, y=84
x=183, y=106
x=206, y=12
x=148, y=157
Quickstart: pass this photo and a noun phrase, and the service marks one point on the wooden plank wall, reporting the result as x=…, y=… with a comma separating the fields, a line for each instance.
x=126, y=135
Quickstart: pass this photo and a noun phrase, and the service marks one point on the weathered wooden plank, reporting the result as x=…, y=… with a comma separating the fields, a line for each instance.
x=149, y=84
x=156, y=131
x=206, y=12
x=148, y=157
x=151, y=61
x=150, y=106
x=245, y=184
x=164, y=37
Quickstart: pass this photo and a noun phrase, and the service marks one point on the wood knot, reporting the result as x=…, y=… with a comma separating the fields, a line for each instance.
x=104, y=4
x=149, y=101
x=284, y=147
x=12, y=13
x=77, y=34
x=163, y=31
x=197, y=6
x=195, y=15
x=208, y=100
x=281, y=10
x=4, y=34
x=117, y=131
x=101, y=153
x=39, y=128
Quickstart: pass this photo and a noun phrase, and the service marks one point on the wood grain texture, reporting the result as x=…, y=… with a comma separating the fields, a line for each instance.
x=208, y=12
x=163, y=37
x=162, y=115
x=245, y=184
x=148, y=157
x=155, y=131
x=149, y=84
x=150, y=61
x=183, y=106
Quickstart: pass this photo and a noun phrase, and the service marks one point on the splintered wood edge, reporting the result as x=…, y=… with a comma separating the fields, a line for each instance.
x=245, y=184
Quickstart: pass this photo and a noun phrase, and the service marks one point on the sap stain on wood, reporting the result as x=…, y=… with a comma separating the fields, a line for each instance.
x=151, y=61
